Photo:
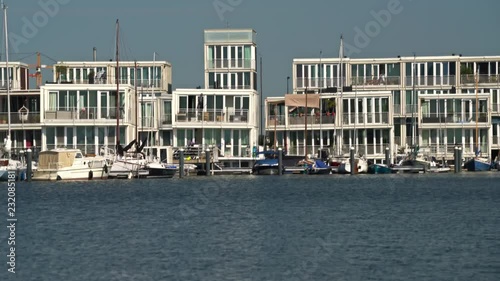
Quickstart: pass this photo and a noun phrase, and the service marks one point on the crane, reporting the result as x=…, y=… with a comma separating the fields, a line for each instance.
x=38, y=69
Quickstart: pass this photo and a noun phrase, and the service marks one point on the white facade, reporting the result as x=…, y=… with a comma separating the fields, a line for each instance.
x=225, y=114
x=436, y=94
x=85, y=116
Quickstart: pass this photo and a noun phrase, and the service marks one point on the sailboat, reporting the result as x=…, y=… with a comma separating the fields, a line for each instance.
x=155, y=167
x=7, y=164
x=341, y=163
x=126, y=164
x=477, y=163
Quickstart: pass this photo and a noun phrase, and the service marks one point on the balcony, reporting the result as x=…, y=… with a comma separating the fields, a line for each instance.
x=212, y=116
x=278, y=120
x=453, y=118
x=300, y=119
x=495, y=107
x=319, y=82
x=144, y=83
x=90, y=113
x=18, y=118
x=230, y=64
x=411, y=108
x=397, y=109
x=234, y=87
x=481, y=79
x=380, y=82
x=166, y=119
x=147, y=122
x=431, y=80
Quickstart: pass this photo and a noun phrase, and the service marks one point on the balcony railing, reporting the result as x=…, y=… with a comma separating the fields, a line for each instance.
x=232, y=87
x=376, y=81
x=18, y=118
x=147, y=122
x=495, y=107
x=448, y=80
x=231, y=63
x=481, y=78
x=319, y=82
x=166, y=119
x=144, y=83
x=275, y=119
x=213, y=116
x=409, y=108
x=88, y=113
x=397, y=109
x=367, y=150
x=451, y=118
x=300, y=119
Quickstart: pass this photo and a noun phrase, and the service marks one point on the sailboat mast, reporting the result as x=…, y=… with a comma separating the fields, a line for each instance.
x=7, y=67
x=305, y=129
x=320, y=100
x=136, y=102
x=341, y=105
x=477, y=114
x=117, y=84
x=412, y=103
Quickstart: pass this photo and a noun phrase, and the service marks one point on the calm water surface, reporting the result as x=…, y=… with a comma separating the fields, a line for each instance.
x=295, y=227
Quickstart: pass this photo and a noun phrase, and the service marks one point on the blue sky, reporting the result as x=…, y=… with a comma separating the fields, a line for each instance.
x=285, y=30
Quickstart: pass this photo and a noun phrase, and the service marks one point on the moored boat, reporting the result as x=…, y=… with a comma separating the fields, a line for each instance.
x=477, y=164
x=379, y=169
x=70, y=164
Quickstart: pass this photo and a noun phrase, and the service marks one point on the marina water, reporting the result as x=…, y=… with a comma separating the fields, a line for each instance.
x=294, y=227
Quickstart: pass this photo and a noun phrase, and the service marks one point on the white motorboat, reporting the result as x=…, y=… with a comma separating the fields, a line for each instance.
x=70, y=164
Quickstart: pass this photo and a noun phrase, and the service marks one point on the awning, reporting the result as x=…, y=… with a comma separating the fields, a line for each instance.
x=311, y=100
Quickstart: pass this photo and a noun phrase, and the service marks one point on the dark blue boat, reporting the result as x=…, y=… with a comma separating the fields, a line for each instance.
x=477, y=165
x=318, y=168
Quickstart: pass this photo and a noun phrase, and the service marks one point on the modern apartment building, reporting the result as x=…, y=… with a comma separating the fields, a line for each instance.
x=225, y=114
x=79, y=110
x=425, y=101
x=25, y=127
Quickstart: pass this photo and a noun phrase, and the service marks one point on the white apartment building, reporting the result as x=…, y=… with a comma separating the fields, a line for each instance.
x=225, y=114
x=432, y=100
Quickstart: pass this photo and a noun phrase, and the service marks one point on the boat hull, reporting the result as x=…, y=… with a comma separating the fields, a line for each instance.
x=265, y=170
x=379, y=169
x=161, y=172
x=70, y=174
x=476, y=165
x=128, y=169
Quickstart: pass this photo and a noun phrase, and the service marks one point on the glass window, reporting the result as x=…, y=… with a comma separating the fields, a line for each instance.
x=63, y=100
x=80, y=135
x=50, y=134
x=69, y=137
x=52, y=101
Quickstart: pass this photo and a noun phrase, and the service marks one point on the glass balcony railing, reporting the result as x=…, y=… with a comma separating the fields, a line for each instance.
x=481, y=79
x=319, y=82
x=89, y=113
x=144, y=83
x=20, y=118
x=445, y=80
x=213, y=116
x=376, y=81
x=450, y=118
